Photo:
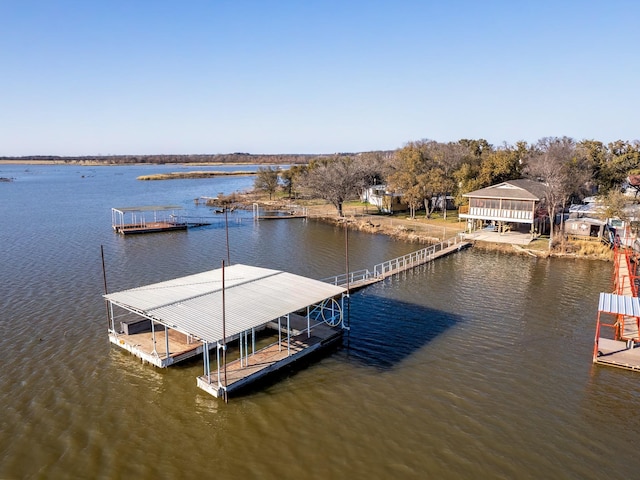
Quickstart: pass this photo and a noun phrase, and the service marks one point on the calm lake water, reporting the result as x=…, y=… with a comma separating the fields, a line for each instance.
x=475, y=366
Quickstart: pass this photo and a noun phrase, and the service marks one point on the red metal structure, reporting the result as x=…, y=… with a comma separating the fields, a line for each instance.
x=623, y=308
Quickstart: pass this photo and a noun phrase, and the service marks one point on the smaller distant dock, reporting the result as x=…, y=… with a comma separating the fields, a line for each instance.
x=151, y=219
x=280, y=214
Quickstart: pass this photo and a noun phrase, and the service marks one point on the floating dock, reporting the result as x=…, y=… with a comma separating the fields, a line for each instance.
x=280, y=214
x=170, y=321
x=152, y=219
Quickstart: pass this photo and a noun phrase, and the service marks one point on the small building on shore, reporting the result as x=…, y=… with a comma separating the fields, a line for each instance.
x=386, y=201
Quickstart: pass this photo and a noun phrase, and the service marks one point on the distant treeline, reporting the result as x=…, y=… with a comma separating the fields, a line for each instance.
x=200, y=158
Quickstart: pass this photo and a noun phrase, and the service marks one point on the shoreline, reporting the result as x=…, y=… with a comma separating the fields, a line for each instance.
x=415, y=231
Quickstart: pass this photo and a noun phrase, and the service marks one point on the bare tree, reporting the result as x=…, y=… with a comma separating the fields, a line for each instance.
x=334, y=181
x=550, y=162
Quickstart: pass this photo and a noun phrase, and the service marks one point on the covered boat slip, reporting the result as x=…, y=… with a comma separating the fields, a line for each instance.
x=186, y=316
x=618, y=347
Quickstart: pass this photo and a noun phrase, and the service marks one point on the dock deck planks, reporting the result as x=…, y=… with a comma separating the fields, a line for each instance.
x=141, y=345
x=149, y=227
x=616, y=353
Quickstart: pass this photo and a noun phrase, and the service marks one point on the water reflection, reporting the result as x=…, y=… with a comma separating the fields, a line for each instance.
x=385, y=331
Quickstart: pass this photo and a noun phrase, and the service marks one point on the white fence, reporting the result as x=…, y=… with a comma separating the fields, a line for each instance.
x=396, y=265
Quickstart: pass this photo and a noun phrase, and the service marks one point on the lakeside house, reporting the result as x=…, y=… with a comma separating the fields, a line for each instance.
x=512, y=205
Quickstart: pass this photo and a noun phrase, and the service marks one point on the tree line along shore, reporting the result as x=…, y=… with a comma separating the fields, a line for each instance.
x=426, y=172
x=204, y=159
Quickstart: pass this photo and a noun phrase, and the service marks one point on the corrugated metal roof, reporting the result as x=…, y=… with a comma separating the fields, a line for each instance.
x=619, y=304
x=253, y=296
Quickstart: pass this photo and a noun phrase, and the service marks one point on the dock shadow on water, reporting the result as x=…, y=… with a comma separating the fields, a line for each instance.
x=385, y=331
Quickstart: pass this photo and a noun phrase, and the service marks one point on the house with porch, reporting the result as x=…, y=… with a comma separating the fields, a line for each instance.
x=515, y=205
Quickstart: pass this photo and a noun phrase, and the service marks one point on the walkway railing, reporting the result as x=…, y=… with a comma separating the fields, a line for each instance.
x=413, y=259
x=390, y=267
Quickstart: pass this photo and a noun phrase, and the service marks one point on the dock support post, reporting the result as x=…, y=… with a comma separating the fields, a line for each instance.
x=218, y=346
x=288, y=337
x=205, y=355
x=153, y=336
x=113, y=321
x=166, y=340
x=246, y=348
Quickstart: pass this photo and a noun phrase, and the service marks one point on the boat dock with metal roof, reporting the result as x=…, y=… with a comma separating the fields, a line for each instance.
x=167, y=322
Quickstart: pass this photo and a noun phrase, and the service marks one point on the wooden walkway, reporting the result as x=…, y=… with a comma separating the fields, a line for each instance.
x=623, y=278
x=625, y=286
x=363, y=278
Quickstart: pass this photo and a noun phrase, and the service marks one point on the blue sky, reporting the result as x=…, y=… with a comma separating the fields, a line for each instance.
x=91, y=77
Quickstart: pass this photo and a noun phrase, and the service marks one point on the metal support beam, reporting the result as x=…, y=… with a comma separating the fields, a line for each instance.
x=153, y=336
x=288, y=336
x=166, y=339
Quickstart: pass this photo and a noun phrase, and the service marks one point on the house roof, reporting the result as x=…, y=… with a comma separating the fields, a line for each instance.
x=521, y=189
x=253, y=296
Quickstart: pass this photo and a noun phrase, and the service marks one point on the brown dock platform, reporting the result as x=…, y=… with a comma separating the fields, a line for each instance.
x=151, y=227
x=143, y=346
x=618, y=353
